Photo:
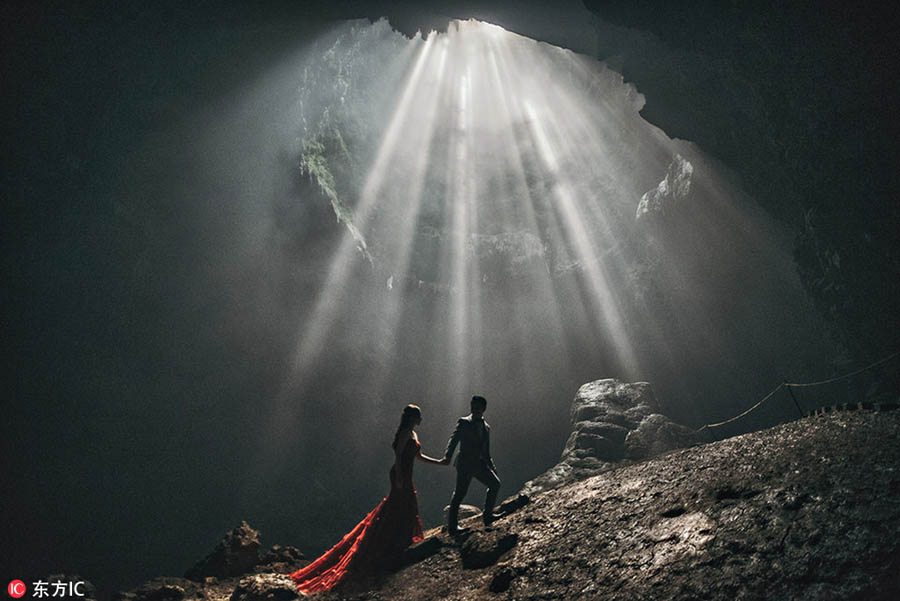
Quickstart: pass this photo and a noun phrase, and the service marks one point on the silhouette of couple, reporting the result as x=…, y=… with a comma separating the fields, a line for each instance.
x=378, y=541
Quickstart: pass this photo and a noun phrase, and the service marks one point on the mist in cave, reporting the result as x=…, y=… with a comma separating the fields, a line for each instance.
x=503, y=223
x=255, y=283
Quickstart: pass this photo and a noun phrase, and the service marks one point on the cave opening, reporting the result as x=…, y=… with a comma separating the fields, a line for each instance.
x=506, y=223
x=239, y=241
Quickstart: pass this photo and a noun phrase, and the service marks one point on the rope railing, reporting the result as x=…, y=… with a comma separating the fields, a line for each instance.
x=737, y=417
x=790, y=385
x=845, y=376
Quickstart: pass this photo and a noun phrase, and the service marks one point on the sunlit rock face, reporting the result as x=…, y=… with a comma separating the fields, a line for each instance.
x=671, y=191
x=489, y=186
x=613, y=423
x=467, y=156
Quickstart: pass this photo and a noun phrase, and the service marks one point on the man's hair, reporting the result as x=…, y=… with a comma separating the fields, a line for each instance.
x=480, y=400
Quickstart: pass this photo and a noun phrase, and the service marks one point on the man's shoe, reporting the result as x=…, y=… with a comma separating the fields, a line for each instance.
x=490, y=518
x=457, y=531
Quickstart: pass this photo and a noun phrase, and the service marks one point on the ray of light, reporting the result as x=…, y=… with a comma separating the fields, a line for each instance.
x=459, y=260
x=520, y=203
x=328, y=306
x=401, y=249
x=584, y=245
x=324, y=313
x=498, y=140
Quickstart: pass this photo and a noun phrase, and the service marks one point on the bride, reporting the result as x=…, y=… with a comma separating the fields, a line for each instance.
x=378, y=541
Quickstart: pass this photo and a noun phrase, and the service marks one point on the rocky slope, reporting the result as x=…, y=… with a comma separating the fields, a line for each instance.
x=806, y=510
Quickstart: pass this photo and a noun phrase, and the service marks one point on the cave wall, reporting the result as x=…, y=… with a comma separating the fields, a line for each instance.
x=797, y=99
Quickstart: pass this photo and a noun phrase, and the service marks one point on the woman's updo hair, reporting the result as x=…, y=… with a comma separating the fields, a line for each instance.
x=410, y=414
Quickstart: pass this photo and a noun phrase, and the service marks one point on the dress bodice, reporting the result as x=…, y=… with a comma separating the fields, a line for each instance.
x=407, y=458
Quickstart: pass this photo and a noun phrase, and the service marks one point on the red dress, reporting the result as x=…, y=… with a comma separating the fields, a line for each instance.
x=377, y=542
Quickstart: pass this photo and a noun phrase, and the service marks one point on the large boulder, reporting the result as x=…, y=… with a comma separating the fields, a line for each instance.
x=614, y=423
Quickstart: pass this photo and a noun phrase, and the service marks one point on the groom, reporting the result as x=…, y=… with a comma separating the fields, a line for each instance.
x=473, y=435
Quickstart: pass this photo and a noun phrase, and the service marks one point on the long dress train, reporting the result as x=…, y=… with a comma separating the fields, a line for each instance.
x=377, y=542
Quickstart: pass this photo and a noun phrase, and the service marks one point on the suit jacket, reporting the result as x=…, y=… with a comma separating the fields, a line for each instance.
x=474, y=453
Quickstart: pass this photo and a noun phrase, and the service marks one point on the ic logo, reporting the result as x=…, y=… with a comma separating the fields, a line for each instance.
x=16, y=589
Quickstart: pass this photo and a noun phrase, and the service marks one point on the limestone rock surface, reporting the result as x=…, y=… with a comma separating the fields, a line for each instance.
x=265, y=587
x=674, y=188
x=808, y=510
x=613, y=423
x=282, y=560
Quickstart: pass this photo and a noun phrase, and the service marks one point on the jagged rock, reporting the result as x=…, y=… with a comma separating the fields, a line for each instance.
x=265, y=587
x=614, y=423
x=237, y=553
x=179, y=589
x=672, y=190
x=484, y=548
x=807, y=510
x=161, y=589
x=282, y=560
x=166, y=592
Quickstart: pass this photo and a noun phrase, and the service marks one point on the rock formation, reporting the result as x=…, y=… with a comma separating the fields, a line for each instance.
x=235, y=554
x=674, y=188
x=613, y=423
x=233, y=570
x=808, y=510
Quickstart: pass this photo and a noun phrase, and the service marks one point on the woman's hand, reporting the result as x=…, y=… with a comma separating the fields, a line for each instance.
x=423, y=457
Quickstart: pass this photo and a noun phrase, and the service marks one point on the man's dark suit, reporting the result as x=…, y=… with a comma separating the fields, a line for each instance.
x=473, y=435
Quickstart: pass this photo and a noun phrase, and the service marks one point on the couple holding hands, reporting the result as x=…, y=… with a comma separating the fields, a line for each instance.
x=378, y=541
